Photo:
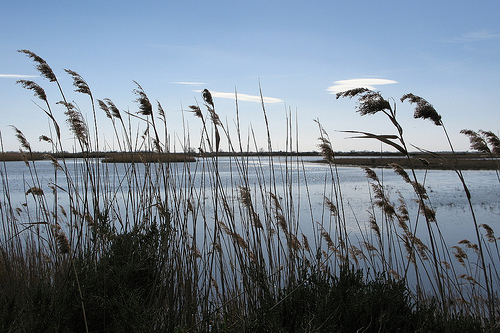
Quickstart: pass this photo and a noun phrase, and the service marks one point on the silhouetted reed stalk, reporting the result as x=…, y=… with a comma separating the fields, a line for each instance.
x=370, y=102
x=425, y=110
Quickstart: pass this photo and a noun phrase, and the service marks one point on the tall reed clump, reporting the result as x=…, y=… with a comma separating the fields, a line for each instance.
x=182, y=247
x=429, y=258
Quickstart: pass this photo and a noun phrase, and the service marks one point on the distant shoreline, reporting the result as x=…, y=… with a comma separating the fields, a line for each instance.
x=445, y=161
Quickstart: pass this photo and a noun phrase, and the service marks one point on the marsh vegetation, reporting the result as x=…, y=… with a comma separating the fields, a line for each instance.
x=182, y=248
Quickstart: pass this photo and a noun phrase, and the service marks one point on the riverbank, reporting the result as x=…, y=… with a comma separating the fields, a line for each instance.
x=114, y=157
x=444, y=161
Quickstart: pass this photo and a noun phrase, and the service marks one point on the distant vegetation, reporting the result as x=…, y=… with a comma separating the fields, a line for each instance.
x=444, y=161
x=157, y=253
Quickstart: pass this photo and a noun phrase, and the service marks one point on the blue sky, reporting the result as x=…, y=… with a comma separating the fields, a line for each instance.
x=301, y=52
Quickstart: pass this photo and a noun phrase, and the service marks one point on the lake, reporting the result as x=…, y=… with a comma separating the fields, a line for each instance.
x=307, y=182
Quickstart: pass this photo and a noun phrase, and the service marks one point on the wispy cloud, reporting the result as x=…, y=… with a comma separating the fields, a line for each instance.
x=343, y=85
x=16, y=76
x=189, y=83
x=476, y=36
x=244, y=97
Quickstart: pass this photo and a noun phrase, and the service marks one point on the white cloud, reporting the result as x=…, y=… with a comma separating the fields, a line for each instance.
x=16, y=76
x=476, y=36
x=343, y=85
x=189, y=83
x=244, y=97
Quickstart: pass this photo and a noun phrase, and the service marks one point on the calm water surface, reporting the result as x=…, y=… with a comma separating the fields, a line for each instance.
x=308, y=184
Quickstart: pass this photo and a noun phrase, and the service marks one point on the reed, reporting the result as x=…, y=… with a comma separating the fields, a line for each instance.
x=144, y=244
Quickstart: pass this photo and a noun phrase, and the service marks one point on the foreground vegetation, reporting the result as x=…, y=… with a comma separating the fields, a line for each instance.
x=171, y=247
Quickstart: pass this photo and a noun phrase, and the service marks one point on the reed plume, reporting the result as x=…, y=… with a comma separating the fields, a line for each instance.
x=331, y=206
x=371, y=174
x=38, y=91
x=35, y=191
x=245, y=196
x=104, y=108
x=161, y=112
x=196, y=110
x=369, y=102
x=76, y=122
x=61, y=239
x=44, y=138
x=305, y=242
x=476, y=141
x=479, y=141
x=145, y=107
x=22, y=139
x=460, y=255
x=207, y=97
x=113, y=109
x=424, y=109
x=490, y=234
x=79, y=83
x=326, y=150
x=493, y=140
x=398, y=169
x=41, y=66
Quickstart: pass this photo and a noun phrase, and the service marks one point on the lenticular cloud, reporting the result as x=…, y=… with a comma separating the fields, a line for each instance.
x=344, y=85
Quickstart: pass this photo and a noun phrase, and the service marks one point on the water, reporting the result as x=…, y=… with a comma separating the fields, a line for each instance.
x=308, y=183
x=300, y=185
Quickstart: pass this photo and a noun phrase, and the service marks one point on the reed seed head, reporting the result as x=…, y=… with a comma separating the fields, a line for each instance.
x=305, y=242
x=44, y=138
x=196, y=110
x=328, y=239
x=460, y=255
x=331, y=206
x=145, y=107
x=493, y=140
x=161, y=112
x=352, y=92
x=281, y=222
x=419, y=189
x=76, y=122
x=421, y=248
x=429, y=213
x=477, y=142
x=371, y=174
x=42, y=66
x=374, y=225
x=276, y=201
x=398, y=169
x=55, y=164
x=326, y=150
x=207, y=97
x=490, y=234
x=38, y=91
x=240, y=241
x=35, y=191
x=61, y=239
x=79, y=83
x=245, y=197
x=225, y=228
x=113, y=109
x=424, y=109
x=369, y=102
x=104, y=108
x=22, y=139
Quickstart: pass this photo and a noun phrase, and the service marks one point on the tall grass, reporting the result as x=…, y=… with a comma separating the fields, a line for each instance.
x=176, y=247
